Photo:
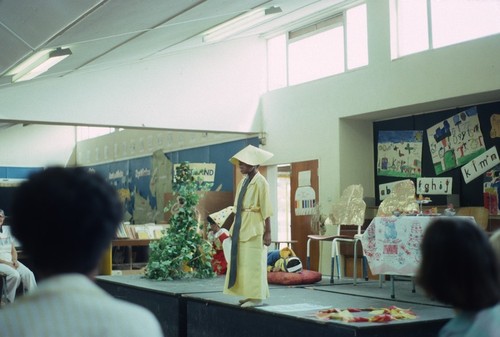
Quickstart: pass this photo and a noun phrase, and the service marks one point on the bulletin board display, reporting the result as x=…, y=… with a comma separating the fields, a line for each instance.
x=433, y=149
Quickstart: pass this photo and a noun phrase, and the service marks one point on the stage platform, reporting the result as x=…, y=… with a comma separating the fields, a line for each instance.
x=198, y=308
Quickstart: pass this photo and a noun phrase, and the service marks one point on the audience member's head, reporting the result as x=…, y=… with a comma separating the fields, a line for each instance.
x=65, y=218
x=458, y=265
x=495, y=243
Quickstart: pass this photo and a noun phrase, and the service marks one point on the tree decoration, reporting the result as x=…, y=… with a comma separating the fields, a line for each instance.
x=182, y=252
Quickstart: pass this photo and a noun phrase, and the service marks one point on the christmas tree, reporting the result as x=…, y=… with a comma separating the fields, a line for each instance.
x=182, y=252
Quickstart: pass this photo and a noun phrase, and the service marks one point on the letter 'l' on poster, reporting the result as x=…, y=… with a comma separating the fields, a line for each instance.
x=480, y=164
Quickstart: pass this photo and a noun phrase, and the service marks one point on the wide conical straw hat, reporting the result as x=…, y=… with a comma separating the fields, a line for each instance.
x=251, y=155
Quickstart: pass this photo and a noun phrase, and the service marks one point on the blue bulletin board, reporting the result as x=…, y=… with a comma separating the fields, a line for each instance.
x=132, y=177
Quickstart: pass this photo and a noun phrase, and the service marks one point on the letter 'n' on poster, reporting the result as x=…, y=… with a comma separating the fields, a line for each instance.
x=480, y=164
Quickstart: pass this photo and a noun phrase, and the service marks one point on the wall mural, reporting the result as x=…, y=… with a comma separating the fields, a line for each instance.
x=142, y=183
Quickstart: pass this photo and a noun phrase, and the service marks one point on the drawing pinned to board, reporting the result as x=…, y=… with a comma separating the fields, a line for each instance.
x=455, y=141
x=491, y=190
x=305, y=196
x=495, y=126
x=400, y=153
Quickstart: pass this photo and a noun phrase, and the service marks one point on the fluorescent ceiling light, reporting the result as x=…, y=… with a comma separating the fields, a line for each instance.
x=240, y=23
x=38, y=64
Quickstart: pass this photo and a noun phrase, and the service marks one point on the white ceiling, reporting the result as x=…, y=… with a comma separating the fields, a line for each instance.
x=106, y=33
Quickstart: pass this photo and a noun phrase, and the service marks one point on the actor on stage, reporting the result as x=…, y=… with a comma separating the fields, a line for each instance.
x=217, y=235
x=251, y=230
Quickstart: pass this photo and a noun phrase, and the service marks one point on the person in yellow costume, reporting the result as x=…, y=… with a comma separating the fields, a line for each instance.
x=251, y=231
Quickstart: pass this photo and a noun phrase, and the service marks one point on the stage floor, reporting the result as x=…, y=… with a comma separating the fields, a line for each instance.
x=201, y=307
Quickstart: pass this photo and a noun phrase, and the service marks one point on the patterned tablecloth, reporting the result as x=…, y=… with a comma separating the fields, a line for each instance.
x=392, y=244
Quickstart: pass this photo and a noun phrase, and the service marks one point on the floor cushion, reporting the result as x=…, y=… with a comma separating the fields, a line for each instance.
x=304, y=277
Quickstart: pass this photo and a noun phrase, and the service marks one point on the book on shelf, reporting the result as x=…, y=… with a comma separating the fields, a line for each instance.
x=145, y=231
x=121, y=232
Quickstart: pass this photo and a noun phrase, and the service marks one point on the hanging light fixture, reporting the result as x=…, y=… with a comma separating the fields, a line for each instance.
x=239, y=23
x=38, y=63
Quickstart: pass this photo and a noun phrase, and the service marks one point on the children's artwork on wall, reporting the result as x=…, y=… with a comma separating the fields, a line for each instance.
x=305, y=196
x=455, y=141
x=160, y=182
x=491, y=190
x=434, y=185
x=480, y=164
x=495, y=126
x=400, y=153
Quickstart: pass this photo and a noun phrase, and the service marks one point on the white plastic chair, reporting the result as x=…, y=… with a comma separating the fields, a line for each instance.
x=349, y=211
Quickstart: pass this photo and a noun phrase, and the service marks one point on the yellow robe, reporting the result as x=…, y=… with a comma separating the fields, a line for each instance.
x=251, y=278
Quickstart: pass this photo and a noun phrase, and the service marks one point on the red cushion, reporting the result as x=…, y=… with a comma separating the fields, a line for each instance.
x=304, y=277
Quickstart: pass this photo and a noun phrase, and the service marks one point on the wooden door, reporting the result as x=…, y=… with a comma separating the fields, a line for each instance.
x=301, y=224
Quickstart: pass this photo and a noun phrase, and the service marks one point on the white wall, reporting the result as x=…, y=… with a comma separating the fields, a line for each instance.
x=127, y=144
x=330, y=119
x=37, y=145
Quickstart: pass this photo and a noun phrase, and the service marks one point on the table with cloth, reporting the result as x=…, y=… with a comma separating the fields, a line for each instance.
x=392, y=244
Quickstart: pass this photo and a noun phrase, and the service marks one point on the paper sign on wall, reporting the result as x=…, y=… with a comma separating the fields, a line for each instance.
x=384, y=190
x=204, y=170
x=434, y=185
x=305, y=196
x=480, y=164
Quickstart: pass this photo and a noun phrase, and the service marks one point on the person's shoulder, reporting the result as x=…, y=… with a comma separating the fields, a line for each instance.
x=486, y=323
x=137, y=318
x=259, y=178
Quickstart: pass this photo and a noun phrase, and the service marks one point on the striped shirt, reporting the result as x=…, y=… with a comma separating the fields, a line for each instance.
x=73, y=305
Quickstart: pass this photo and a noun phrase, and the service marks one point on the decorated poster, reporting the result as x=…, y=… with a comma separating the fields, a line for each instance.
x=491, y=190
x=455, y=141
x=399, y=153
x=305, y=196
x=495, y=126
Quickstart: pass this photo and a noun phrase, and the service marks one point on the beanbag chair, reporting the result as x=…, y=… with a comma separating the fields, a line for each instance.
x=285, y=278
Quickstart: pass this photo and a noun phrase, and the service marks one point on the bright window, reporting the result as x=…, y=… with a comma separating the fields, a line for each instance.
x=448, y=21
x=317, y=56
x=327, y=47
x=409, y=28
x=276, y=62
x=455, y=21
x=357, y=37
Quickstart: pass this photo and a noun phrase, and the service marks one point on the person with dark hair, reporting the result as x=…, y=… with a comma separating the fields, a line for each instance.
x=81, y=213
x=495, y=243
x=15, y=271
x=251, y=230
x=217, y=235
x=459, y=268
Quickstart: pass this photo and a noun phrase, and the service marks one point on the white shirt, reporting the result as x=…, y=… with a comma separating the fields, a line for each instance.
x=5, y=245
x=73, y=305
